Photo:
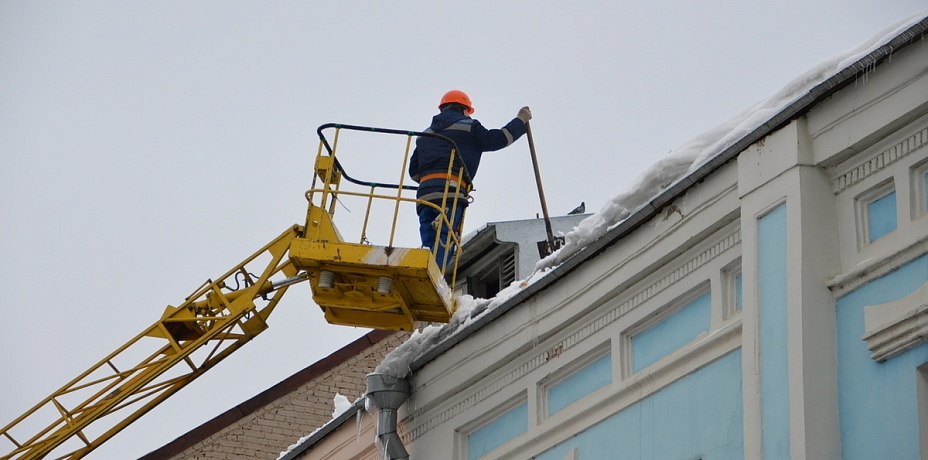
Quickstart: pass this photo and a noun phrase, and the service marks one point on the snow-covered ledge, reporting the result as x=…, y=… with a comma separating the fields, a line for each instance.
x=894, y=327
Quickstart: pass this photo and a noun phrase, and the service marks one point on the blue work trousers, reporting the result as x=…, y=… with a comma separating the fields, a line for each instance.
x=428, y=222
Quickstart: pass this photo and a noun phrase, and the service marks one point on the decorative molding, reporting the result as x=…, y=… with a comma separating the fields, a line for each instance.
x=880, y=161
x=895, y=327
x=846, y=283
x=417, y=428
x=683, y=362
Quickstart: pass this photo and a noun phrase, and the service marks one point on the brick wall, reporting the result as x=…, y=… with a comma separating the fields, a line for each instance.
x=266, y=425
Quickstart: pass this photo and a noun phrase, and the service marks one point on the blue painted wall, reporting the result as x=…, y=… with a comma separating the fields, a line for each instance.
x=771, y=290
x=881, y=215
x=700, y=416
x=585, y=381
x=498, y=432
x=671, y=333
x=877, y=402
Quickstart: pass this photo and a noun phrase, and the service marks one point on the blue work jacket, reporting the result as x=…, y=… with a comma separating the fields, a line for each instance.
x=432, y=155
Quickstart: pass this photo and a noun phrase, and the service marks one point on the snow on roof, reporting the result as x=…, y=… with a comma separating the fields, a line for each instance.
x=663, y=175
x=696, y=152
x=344, y=409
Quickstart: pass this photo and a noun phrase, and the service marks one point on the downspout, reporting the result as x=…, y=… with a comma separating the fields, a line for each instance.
x=387, y=394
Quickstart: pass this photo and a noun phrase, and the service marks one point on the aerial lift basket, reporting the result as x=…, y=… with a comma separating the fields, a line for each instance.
x=373, y=285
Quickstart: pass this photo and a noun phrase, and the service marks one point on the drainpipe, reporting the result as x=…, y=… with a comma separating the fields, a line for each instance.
x=387, y=394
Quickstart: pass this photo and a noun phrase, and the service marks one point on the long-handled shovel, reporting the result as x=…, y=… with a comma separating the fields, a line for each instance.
x=545, y=248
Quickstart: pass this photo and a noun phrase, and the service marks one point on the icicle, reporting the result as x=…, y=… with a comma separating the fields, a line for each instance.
x=359, y=418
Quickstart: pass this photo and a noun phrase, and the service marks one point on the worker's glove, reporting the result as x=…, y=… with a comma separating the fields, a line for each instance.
x=524, y=114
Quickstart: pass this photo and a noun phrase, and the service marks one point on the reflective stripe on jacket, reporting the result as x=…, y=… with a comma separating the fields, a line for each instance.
x=432, y=155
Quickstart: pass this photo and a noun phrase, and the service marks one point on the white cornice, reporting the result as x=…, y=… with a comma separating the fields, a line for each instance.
x=872, y=269
x=880, y=161
x=895, y=327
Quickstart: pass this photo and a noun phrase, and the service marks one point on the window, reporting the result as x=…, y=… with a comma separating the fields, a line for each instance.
x=876, y=211
x=924, y=188
x=503, y=426
x=732, y=285
x=922, y=394
x=489, y=280
x=672, y=332
x=919, y=179
x=595, y=372
x=881, y=214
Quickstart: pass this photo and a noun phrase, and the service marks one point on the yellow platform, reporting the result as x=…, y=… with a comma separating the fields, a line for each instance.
x=373, y=286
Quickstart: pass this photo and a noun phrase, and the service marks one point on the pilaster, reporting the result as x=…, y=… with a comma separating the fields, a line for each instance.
x=772, y=173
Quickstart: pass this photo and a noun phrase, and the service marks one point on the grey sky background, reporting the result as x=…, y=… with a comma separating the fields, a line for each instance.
x=148, y=146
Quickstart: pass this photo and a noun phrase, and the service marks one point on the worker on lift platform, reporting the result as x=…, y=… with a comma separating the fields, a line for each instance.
x=428, y=165
x=358, y=284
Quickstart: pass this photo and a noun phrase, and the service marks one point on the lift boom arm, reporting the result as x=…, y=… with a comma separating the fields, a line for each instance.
x=356, y=284
x=188, y=339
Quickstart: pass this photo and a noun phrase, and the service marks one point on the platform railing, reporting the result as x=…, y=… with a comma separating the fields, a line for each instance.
x=327, y=188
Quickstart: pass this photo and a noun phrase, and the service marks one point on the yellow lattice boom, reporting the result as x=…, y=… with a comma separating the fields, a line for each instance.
x=355, y=283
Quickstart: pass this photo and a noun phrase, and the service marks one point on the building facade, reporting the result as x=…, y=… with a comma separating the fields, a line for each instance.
x=772, y=303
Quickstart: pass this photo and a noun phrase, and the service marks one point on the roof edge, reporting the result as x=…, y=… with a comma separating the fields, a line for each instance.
x=650, y=209
x=308, y=442
x=240, y=411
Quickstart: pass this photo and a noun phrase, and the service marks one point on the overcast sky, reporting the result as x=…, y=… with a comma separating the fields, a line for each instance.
x=148, y=146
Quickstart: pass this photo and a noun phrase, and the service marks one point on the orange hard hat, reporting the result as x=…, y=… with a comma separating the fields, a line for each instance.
x=459, y=97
